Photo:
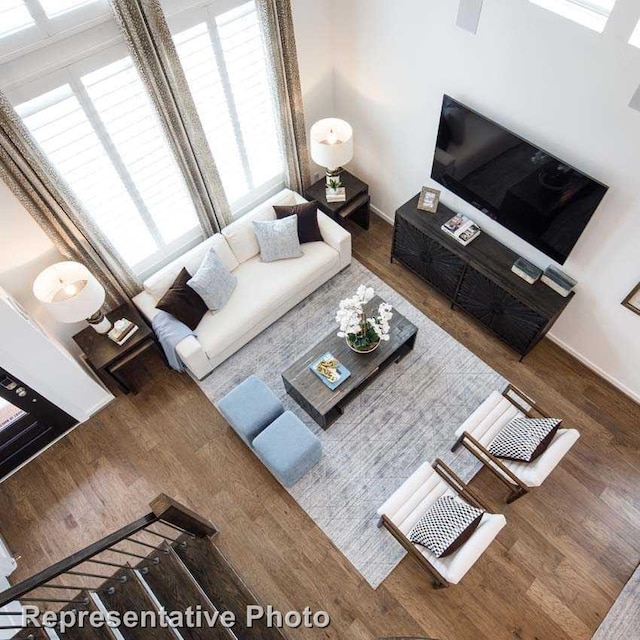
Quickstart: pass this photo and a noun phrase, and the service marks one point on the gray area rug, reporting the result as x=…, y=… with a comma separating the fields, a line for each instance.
x=406, y=416
x=623, y=620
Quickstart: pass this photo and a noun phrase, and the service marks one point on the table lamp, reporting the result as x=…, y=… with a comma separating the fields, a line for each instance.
x=332, y=145
x=71, y=294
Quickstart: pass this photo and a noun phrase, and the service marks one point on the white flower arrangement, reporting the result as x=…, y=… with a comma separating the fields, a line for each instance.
x=360, y=331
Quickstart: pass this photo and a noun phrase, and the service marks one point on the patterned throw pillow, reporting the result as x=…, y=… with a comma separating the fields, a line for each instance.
x=278, y=239
x=447, y=525
x=213, y=282
x=524, y=439
x=308, y=227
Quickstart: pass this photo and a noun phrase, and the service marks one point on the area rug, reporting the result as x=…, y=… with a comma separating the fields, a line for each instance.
x=406, y=416
x=623, y=619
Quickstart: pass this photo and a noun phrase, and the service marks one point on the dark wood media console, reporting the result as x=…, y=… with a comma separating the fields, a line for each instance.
x=476, y=278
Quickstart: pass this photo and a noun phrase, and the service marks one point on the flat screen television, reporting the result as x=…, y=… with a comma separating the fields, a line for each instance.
x=535, y=195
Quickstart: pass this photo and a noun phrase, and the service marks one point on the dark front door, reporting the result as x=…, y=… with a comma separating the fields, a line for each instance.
x=28, y=422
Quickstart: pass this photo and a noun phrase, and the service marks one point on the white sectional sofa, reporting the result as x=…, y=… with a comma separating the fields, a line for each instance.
x=265, y=291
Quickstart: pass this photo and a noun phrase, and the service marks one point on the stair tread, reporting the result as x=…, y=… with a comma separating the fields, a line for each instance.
x=176, y=590
x=85, y=632
x=131, y=596
x=224, y=587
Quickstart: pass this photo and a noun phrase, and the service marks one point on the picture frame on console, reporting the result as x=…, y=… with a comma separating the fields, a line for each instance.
x=429, y=200
x=632, y=301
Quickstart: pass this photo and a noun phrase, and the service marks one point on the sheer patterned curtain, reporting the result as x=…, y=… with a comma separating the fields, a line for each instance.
x=47, y=198
x=276, y=23
x=144, y=27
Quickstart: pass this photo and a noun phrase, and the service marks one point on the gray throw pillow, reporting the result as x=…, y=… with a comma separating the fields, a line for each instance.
x=278, y=239
x=213, y=282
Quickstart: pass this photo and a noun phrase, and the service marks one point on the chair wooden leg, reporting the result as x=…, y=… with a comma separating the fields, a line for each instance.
x=515, y=494
x=457, y=444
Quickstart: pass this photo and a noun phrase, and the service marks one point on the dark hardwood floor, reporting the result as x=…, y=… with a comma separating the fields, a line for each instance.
x=552, y=574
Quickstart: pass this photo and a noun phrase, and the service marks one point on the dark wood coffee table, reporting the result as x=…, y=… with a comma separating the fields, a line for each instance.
x=324, y=405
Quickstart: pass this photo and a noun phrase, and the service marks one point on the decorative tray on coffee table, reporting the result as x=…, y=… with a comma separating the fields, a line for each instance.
x=330, y=371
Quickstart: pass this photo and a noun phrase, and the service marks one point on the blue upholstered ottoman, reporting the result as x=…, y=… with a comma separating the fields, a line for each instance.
x=250, y=408
x=288, y=449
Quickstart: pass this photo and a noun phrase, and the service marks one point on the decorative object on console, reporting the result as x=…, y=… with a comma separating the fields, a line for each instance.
x=632, y=301
x=429, y=199
x=462, y=229
x=526, y=270
x=331, y=145
x=336, y=192
x=307, y=213
x=363, y=334
x=278, y=239
x=72, y=294
x=558, y=281
x=122, y=330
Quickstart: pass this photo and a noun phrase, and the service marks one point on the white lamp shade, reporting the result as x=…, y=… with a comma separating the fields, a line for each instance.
x=69, y=290
x=331, y=143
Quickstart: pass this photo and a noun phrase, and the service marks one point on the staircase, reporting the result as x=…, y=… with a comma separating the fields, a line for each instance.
x=166, y=561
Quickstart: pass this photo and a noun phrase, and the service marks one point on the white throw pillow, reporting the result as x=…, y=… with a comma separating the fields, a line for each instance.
x=213, y=282
x=278, y=239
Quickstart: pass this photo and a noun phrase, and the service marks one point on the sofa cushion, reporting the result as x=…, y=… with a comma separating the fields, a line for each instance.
x=182, y=302
x=158, y=284
x=262, y=287
x=278, y=239
x=240, y=234
x=525, y=438
x=213, y=282
x=307, y=214
x=446, y=526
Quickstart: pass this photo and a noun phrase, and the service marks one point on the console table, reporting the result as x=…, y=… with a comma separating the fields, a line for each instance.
x=476, y=278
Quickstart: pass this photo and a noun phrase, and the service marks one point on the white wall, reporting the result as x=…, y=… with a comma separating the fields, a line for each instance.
x=314, y=39
x=556, y=83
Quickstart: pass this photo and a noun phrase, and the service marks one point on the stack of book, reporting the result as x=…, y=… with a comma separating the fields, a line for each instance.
x=558, y=281
x=122, y=330
x=462, y=229
x=527, y=271
x=336, y=195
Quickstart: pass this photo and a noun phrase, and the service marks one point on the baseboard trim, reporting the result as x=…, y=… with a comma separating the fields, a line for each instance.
x=381, y=214
x=563, y=345
x=594, y=367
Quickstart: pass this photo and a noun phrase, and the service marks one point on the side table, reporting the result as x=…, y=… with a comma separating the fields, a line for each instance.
x=106, y=358
x=356, y=206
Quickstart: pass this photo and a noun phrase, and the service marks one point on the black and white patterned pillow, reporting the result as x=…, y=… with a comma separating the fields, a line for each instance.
x=447, y=525
x=524, y=439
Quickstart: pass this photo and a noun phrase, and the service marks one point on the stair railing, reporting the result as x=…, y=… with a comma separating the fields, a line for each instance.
x=165, y=512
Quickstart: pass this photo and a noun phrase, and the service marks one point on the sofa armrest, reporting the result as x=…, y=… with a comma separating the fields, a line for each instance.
x=192, y=354
x=146, y=304
x=337, y=237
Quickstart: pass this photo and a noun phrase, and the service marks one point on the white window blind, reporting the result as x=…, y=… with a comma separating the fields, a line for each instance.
x=14, y=16
x=100, y=132
x=593, y=14
x=224, y=60
x=55, y=8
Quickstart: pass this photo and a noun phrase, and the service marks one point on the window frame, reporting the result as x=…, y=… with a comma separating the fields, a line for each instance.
x=582, y=12
x=48, y=30
x=72, y=74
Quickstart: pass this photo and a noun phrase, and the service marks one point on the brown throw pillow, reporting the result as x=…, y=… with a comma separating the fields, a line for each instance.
x=182, y=302
x=308, y=228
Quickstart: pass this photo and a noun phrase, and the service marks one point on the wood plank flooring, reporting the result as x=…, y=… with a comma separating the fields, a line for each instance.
x=552, y=574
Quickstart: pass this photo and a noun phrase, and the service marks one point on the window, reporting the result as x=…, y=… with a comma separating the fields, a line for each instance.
x=635, y=36
x=98, y=128
x=27, y=24
x=225, y=62
x=589, y=13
